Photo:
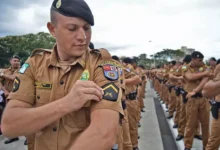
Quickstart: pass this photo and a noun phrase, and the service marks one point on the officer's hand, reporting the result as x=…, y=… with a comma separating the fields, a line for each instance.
x=211, y=75
x=190, y=94
x=82, y=92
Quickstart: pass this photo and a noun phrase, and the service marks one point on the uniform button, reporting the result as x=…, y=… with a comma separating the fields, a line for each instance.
x=54, y=129
x=38, y=97
x=61, y=82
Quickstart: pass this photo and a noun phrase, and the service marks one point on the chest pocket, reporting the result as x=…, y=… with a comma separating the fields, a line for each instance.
x=43, y=93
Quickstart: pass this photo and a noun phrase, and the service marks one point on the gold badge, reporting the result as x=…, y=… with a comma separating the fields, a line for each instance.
x=85, y=75
x=59, y=3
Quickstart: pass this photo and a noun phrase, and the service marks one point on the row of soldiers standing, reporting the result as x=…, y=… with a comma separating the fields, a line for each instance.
x=182, y=86
x=134, y=82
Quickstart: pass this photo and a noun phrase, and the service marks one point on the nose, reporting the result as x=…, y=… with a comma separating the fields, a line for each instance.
x=81, y=35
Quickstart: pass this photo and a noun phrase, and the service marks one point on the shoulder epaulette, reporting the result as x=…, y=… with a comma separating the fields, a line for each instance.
x=104, y=53
x=40, y=52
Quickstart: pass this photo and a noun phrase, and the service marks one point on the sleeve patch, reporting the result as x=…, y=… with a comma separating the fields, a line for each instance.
x=110, y=72
x=24, y=68
x=16, y=84
x=111, y=92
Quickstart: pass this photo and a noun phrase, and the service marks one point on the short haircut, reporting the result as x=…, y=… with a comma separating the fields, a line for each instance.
x=173, y=62
x=127, y=60
x=53, y=18
x=213, y=59
x=115, y=57
x=187, y=59
x=15, y=56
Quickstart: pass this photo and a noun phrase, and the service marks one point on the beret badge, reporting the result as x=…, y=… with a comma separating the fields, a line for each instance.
x=58, y=4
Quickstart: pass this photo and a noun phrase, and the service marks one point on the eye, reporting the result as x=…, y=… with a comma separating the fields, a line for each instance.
x=72, y=29
x=87, y=28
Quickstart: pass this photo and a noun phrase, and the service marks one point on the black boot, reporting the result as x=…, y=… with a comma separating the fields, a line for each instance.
x=11, y=140
x=199, y=137
x=175, y=126
x=26, y=142
x=139, y=125
x=169, y=117
x=179, y=137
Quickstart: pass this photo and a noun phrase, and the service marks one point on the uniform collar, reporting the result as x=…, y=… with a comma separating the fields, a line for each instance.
x=53, y=60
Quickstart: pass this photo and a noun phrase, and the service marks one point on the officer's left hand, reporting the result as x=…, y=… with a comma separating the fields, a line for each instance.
x=190, y=94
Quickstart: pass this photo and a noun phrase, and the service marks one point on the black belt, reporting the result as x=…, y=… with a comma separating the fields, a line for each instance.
x=197, y=95
x=123, y=103
x=131, y=96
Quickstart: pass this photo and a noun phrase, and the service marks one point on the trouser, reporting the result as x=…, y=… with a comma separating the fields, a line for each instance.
x=172, y=102
x=183, y=120
x=178, y=107
x=120, y=138
x=132, y=107
x=31, y=141
x=126, y=133
x=166, y=95
x=214, y=140
x=142, y=95
x=197, y=108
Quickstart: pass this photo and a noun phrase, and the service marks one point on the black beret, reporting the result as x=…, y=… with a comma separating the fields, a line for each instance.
x=197, y=54
x=127, y=60
x=115, y=57
x=74, y=8
x=91, y=45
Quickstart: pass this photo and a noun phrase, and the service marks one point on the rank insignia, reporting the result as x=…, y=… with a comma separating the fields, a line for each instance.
x=110, y=92
x=16, y=84
x=24, y=68
x=85, y=75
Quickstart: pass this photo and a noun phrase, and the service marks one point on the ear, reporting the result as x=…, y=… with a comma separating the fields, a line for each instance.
x=51, y=28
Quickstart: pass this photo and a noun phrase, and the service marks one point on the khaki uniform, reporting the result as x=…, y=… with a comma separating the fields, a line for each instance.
x=172, y=94
x=214, y=139
x=164, y=87
x=132, y=108
x=45, y=81
x=124, y=139
x=8, y=84
x=196, y=108
x=182, y=116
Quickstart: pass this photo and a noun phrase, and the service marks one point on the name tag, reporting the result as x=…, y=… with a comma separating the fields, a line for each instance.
x=41, y=85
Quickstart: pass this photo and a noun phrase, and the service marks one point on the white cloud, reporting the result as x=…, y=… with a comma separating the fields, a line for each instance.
x=168, y=24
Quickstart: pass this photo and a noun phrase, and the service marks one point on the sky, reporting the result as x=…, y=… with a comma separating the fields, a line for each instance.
x=129, y=27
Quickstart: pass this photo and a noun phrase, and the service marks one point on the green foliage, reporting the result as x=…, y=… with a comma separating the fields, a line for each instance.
x=159, y=58
x=23, y=45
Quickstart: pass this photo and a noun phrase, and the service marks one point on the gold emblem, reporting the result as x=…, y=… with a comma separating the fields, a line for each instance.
x=108, y=94
x=59, y=3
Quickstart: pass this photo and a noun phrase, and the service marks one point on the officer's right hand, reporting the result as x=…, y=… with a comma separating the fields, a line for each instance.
x=82, y=92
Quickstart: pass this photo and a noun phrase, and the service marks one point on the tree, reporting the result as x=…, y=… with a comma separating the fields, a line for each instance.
x=23, y=45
